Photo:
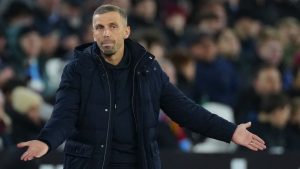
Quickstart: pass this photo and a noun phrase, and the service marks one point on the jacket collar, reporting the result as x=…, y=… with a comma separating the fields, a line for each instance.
x=140, y=58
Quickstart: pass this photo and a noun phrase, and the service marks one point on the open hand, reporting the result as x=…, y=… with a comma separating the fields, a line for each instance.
x=36, y=149
x=242, y=136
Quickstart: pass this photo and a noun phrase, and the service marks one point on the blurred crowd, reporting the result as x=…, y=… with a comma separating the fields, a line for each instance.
x=238, y=58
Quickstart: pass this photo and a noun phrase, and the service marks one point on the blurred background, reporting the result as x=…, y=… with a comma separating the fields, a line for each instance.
x=239, y=59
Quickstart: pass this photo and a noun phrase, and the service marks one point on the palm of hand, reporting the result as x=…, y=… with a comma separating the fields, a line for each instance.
x=245, y=138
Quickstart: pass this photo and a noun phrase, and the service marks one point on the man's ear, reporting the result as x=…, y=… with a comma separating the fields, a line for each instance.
x=127, y=32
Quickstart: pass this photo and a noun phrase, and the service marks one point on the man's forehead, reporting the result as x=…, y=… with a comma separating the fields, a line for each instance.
x=108, y=18
x=112, y=16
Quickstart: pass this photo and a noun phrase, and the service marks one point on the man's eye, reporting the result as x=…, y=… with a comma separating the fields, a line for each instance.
x=99, y=27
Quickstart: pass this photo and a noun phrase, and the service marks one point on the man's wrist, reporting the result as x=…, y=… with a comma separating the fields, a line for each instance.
x=47, y=143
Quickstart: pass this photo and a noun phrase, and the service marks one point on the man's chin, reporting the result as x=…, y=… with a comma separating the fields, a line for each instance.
x=108, y=54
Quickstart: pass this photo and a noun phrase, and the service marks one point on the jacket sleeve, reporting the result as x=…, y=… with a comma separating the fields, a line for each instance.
x=188, y=114
x=64, y=116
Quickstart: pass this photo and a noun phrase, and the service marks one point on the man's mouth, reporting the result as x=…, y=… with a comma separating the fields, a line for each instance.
x=107, y=43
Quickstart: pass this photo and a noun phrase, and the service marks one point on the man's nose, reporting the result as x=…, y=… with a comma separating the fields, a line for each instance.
x=106, y=33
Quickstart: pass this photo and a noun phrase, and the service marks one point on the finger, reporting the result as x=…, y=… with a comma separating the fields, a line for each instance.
x=28, y=157
x=247, y=125
x=252, y=147
x=258, y=145
x=24, y=155
x=255, y=137
x=23, y=144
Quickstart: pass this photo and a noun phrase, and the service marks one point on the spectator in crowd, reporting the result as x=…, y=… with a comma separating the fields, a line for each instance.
x=271, y=11
x=46, y=14
x=270, y=51
x=294, y=91
x=50, y=42
x=7, y=89
x=3, y=46
x=266, y=11
x=230, y=48
x=71, y=16
x=11, y=159
x=15, y=16
x=124, y=4
x=229, y=45
x=25, y=112
x=175, y=19
x=143, y=14
x=208, y=22
x=169, y=69
x=288, y=29
x=274, y=115
x=247, y=28
x=293, y=130
x=152, y=40
x=266, y=81
x=18, y=13
x=54, y=58
x=5, y=124
x=22, y=105
x=211, y=16
x=86, y=34
x=53, y=71
x=170, y=134
x=29, y=63
x=185, y=67
x=6, y=72
x=232, y=9
x=215, y=77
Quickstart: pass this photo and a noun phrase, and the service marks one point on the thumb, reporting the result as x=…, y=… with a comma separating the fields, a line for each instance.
x=23, y=144
x=247, y=125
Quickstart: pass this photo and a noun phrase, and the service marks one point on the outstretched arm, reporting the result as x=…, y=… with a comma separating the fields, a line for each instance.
x=194, y=117
x=62, y=122
x=243, y=137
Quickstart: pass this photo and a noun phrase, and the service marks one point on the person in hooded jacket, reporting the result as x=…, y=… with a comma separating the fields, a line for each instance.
x=108, y=103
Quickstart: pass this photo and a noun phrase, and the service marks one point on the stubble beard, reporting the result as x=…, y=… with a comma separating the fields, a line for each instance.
x=108, y=54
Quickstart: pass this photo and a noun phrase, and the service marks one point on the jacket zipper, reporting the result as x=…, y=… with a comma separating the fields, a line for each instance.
x=109, y=114
x=132, y=98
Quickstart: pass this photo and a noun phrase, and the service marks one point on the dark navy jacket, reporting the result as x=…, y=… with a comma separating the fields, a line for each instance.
x=82, y=112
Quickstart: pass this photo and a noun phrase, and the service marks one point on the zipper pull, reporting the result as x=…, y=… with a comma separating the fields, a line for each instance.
x=115, y=106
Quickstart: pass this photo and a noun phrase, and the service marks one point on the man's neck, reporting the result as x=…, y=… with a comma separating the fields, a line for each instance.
x=116, y=58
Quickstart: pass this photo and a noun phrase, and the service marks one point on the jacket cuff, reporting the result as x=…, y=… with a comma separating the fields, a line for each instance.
x=230, y=131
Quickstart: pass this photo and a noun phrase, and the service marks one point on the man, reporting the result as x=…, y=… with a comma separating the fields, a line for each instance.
x=266, y=81
x=108, y=102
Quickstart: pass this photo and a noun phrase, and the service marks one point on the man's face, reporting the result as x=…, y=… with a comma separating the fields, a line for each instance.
x=31, y=44
x=268, y=81
x=109, y=31
x=206, y=50
x=271, y=52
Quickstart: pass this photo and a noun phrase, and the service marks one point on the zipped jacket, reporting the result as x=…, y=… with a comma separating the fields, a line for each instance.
x=83, y=108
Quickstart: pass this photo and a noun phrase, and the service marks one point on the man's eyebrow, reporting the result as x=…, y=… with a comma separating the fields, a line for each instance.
x=111, y=23
x=98, y=24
